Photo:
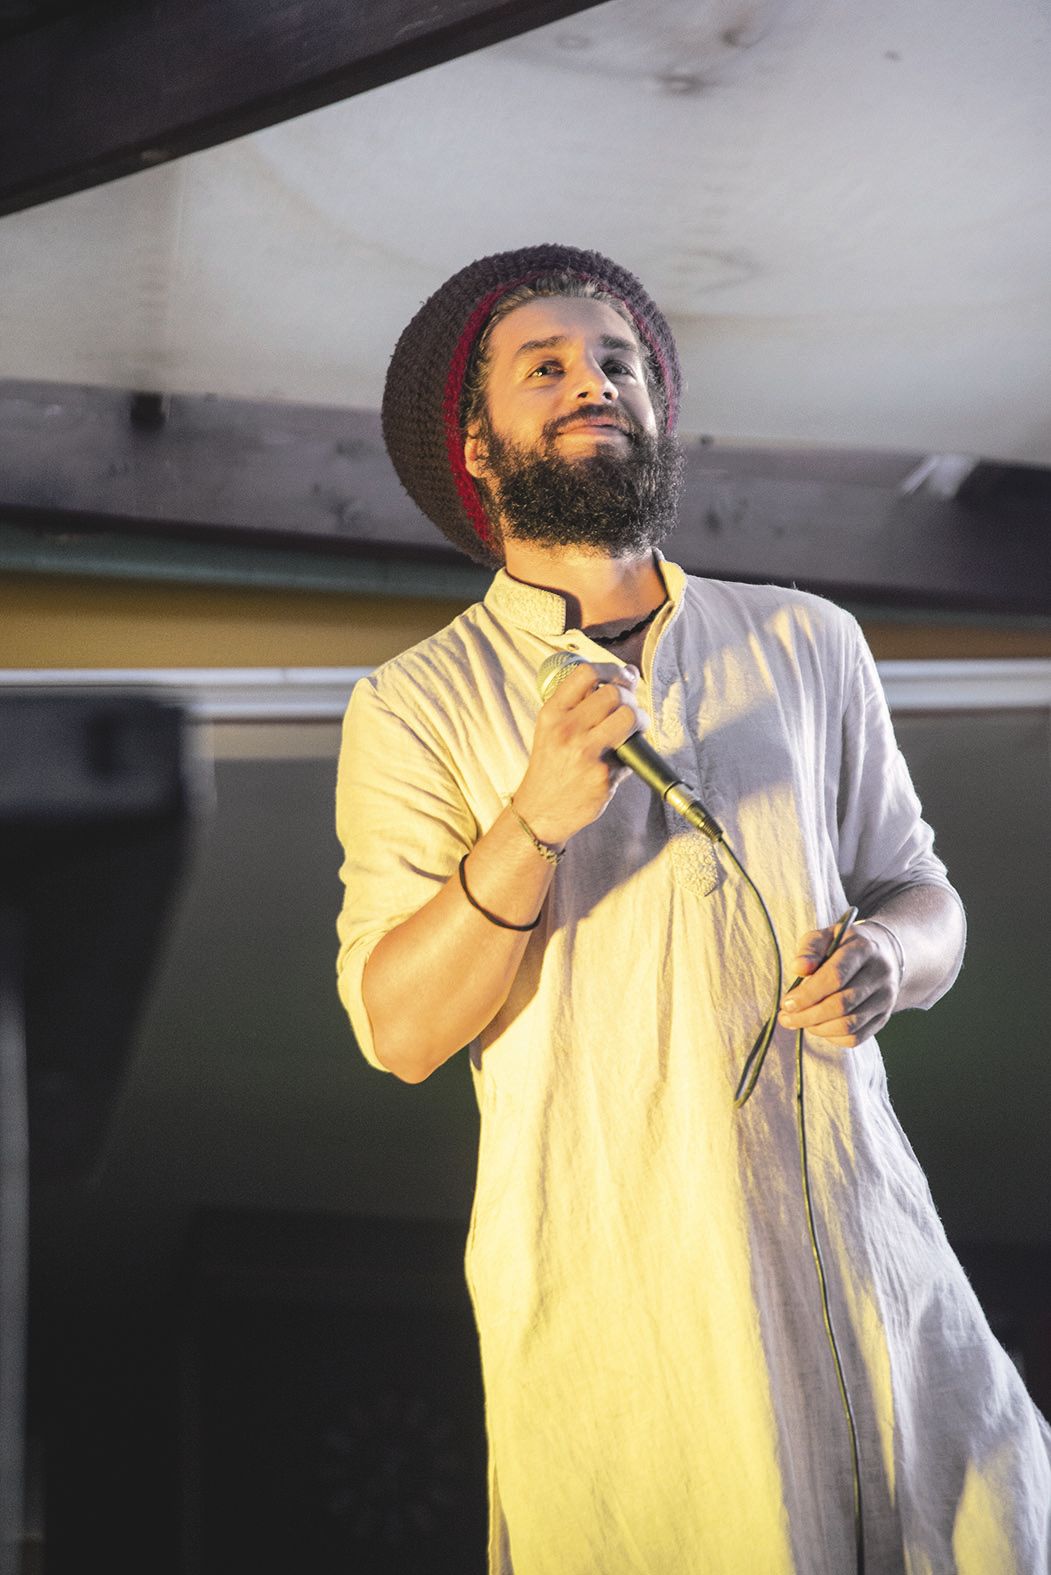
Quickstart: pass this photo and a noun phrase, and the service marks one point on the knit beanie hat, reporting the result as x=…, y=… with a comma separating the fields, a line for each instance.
x=423, y=401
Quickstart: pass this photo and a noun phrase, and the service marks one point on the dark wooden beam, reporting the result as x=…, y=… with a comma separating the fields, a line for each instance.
x=867, y=544
x=87, y=98
x=317, y=479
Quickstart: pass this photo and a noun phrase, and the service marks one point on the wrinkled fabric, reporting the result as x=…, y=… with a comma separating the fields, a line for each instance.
x=660, y=1396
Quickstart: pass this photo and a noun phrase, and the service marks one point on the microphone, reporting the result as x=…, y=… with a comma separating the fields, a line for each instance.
x=639, y=756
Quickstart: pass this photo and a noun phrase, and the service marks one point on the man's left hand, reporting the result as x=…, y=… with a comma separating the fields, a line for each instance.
x=852, y=995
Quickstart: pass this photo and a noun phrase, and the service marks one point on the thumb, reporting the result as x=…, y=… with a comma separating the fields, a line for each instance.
x=810, y=950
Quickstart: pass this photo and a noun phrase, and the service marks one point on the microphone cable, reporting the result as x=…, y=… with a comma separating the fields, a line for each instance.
x=745, y=1087
x=679, y=796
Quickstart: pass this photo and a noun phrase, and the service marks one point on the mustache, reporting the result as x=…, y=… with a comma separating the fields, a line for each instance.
x=586, y=413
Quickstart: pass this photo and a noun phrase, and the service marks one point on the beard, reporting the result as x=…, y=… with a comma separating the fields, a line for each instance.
x=611, y=505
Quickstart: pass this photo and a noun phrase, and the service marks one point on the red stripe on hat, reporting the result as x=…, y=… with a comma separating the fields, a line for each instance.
x=462, y=478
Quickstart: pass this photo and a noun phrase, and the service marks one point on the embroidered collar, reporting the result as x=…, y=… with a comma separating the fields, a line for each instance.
x=543, y=612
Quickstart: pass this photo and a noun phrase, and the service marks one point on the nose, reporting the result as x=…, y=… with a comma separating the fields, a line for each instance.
x=593, y=384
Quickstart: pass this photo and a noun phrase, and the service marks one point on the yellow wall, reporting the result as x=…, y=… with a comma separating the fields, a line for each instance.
x=961, y=641
x=56, y=622
x=51, y=621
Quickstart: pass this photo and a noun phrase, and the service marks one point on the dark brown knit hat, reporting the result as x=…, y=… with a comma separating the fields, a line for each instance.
x=423, y=397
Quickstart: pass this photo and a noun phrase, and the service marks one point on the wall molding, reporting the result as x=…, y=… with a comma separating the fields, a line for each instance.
x=319, y=694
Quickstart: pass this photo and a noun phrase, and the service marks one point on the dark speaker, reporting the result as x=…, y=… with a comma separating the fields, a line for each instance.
x=333, y=1412
x=96, y=794
x=94, y=806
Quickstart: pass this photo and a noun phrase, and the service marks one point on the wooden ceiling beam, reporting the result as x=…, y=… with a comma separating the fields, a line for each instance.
x=118, y=88
x=318, y=480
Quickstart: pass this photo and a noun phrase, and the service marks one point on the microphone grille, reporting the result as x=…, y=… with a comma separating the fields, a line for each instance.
x=553, y=670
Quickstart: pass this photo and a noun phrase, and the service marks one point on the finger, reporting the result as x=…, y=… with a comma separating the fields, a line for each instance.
x=614, y=729
x=850, y=1002
x=854, y=1013
x=849, y=1029
x=840, y=970
x=852, y=1006
x=861, y=960
x=604, y=702
x=642, y=719
x=615, y=672
x=604, y=673
x=811, y=950
x=600, y=704
x=589, y=693
x=579, y=682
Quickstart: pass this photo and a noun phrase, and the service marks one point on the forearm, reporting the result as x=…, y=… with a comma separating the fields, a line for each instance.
x=929, y=926
x=432, y=984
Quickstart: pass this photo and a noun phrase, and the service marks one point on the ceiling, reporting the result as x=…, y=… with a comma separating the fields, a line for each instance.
x=842, y=207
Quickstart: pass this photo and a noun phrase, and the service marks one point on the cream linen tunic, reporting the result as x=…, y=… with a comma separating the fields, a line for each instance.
x=660, y=1395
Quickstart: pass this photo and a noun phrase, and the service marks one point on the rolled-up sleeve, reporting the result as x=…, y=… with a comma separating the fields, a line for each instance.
x=885, y=845
x=403, y=823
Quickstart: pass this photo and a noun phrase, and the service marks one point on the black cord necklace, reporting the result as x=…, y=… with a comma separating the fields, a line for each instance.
x=624, y=634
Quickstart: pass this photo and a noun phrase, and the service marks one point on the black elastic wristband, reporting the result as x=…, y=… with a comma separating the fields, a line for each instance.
x=502, y=923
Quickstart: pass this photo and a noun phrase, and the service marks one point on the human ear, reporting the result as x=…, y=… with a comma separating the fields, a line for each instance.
x=474, y=456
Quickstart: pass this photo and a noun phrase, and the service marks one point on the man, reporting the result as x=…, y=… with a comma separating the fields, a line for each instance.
x=661, y=1396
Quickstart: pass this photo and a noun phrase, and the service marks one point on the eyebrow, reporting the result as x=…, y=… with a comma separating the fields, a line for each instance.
x=608, y=342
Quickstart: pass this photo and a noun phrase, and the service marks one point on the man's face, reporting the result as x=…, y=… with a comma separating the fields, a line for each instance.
x=569, y=452
x=566, y=374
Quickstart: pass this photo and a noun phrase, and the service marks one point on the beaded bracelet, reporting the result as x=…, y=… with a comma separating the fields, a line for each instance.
x=546, y=851
x=503, y=924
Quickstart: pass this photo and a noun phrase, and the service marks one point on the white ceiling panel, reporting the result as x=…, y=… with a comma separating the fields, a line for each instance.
x=843, y=208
